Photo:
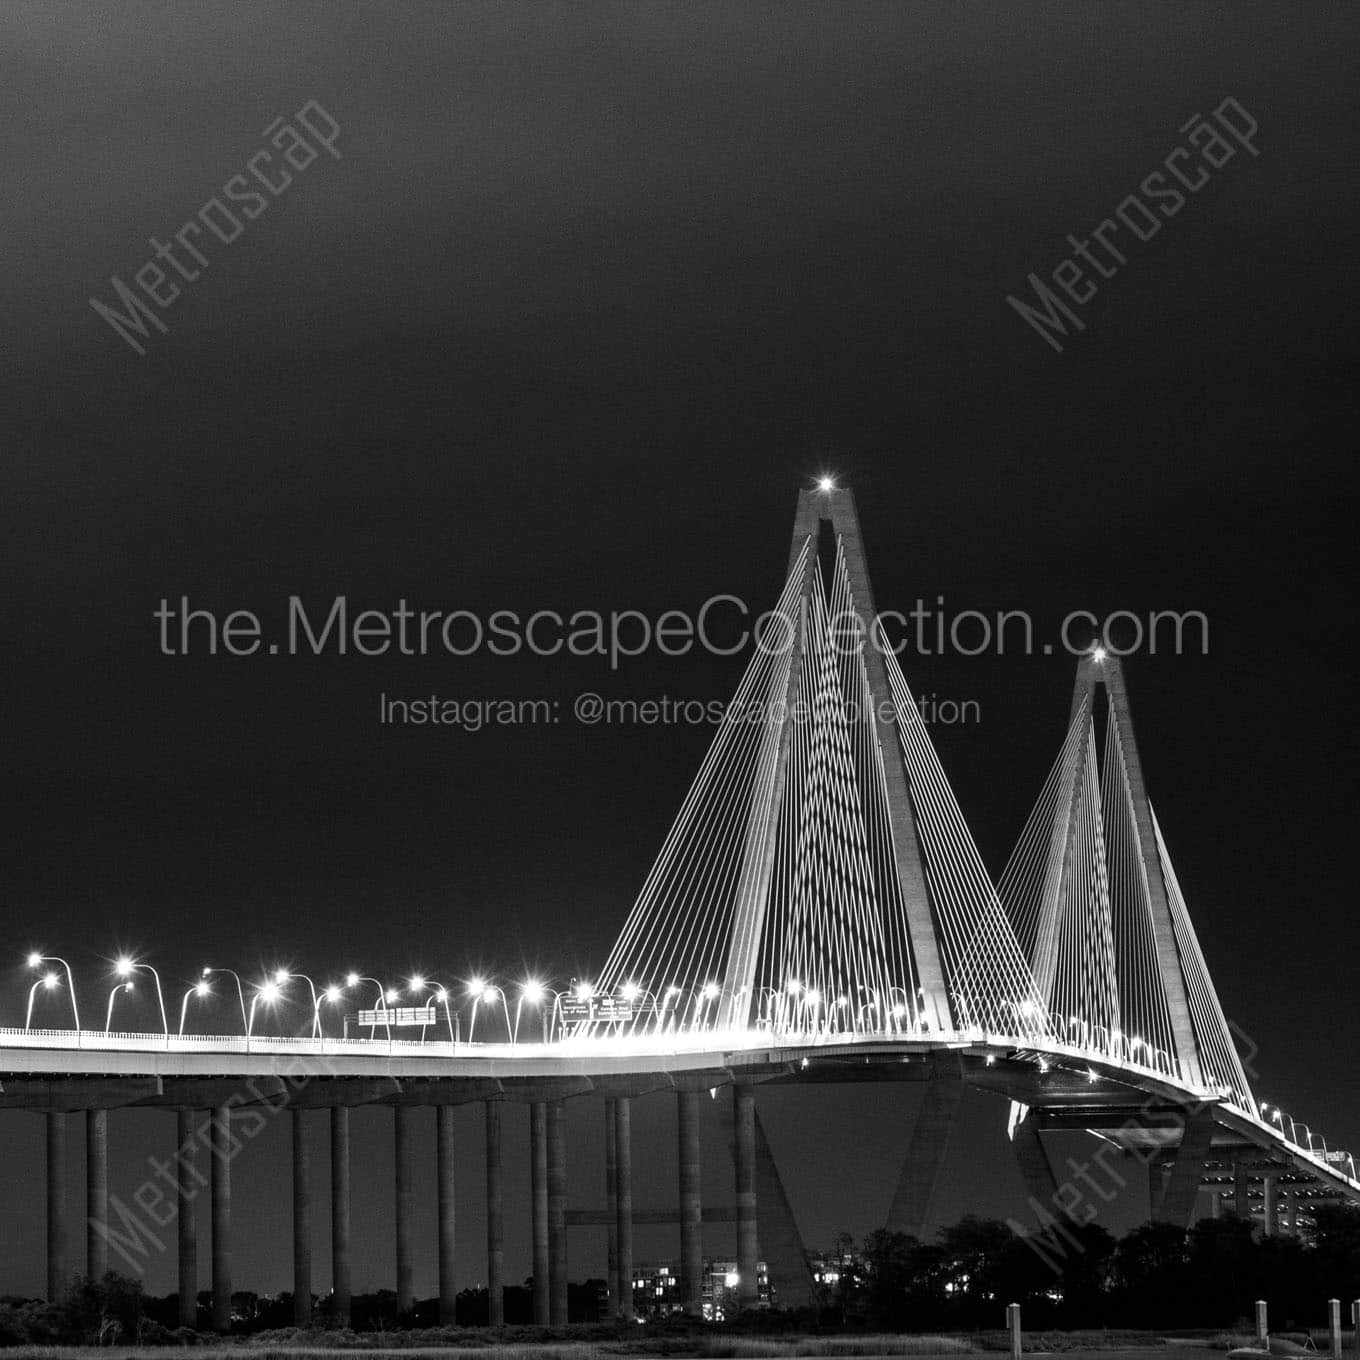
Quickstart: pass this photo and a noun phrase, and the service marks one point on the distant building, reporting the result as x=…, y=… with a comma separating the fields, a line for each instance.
x=656, y=1289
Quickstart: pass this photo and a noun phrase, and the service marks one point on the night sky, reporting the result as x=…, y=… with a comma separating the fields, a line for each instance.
x=590, y=293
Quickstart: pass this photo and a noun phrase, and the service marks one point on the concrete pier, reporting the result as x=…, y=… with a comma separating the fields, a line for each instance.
x=56, y=1205
x=557, y=1214
x=445, y=1172
x=96, y=1193
x=495, y=1218
x=188, y=1181
x=302, y=1223
x=403, y=1129
x=221, y=1218
x=691, y=1204
x=340, y=1270
x=623, y=1170
x=611, y=1200
x=744, y=1110
x=538, y=1190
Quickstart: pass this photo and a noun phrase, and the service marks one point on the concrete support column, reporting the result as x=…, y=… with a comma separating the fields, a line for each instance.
x=691, y=1204
x=557, y=1214
x=96, y=1193
x=611, y=1198
x=1242, y=1191
x=1291, y=1214
x=186, y=1225
x=403, y=1128
x=538, y=1179
x=495, y=1218
x=221, y=1218
x=56, y=1204
x=302, y=1223
x=744, y=1103
x=445, y=1171
x=1271, y=1218
x=623, y=1170
x=340, y=1276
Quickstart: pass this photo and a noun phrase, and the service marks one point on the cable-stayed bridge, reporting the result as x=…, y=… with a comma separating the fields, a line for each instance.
x=818, y=912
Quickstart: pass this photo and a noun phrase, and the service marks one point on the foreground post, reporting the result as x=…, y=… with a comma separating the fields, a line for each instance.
x=691, y=1205
x=444, y=1175
x=56, y=1204
x=96, y=1193
x=186, y=1225
x=405, y=1196
x=340, y=1278
x=1334, y=1321
x=623, y=1170
x=302, y=1224
x=1262, y=1323
x=221, y=1218
x=744, y=1099
x=557, y=1214
x=1355, y=1321
x=1013, y=1327
x=495, y=1218
x=538, y=1177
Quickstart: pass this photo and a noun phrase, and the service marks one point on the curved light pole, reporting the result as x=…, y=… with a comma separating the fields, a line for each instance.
x=355, y=980
x=269, y=993
x=710, y=991
x=200, y=989
x=282, y=976
x=535, y=993
x=475, y=989
x=488, y=994
x=48, y=981
x=36, y=960
x=108, y=1015
x=335, y=995
x=240, y=991
x=440, y=997
x=125, y=967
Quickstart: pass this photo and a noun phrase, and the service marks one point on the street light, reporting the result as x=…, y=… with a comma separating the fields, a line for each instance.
x=125, y=967
x=535, y=994
x=48, y=981
x=201, y=988
x=420, y=984
x=489, y=991
x=36, y=960
x=335, y=994
x=108, y=1016
x=240, y=991
x=353, y=980
x=282, y=976
x=269, y=993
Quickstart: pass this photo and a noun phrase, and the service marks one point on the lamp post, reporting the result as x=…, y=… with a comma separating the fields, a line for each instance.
x=199, y=989
x=125, y=967
x=108, y=1015
x=37, y=959
x=282, y=977
x=48, y=981
x=488, y=992
x=354, y=980
x=335, y=994
x=269, y=993
x=419, y=985
x=535, y=993
x=240, y=991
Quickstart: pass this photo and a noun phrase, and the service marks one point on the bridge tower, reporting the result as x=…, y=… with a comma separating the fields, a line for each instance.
x=828, y=513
